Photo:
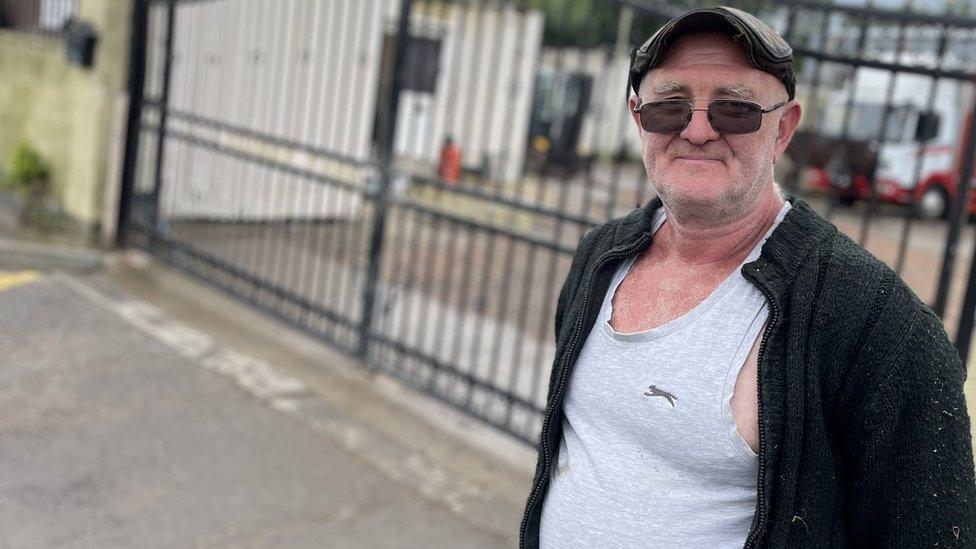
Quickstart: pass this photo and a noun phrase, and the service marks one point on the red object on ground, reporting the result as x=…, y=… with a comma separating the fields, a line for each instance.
x=449, y=169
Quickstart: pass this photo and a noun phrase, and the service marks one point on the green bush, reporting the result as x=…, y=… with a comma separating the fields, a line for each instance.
x=29, y=174
x=29, y=177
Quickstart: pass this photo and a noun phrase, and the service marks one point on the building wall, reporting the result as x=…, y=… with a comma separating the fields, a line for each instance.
x=607, y=125
x=297, y=71
x=63, y=110
x=309, y=72
x=483, y=98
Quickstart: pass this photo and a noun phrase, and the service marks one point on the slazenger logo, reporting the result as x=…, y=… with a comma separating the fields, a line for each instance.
x=653, y=391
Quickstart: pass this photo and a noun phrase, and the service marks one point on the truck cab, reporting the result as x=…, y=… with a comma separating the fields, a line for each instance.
x=913, y=156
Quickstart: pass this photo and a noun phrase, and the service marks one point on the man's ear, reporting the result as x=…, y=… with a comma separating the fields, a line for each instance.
x=631, y=105
x=787, y=126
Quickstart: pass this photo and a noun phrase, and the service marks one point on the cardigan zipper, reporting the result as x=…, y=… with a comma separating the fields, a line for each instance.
x=564, y=376
x=761, y=491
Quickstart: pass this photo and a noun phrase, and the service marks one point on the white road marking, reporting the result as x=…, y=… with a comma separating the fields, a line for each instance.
x=252, y=374
x=293, y=397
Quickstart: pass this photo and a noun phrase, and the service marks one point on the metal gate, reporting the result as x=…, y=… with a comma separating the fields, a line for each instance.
x=407, y=180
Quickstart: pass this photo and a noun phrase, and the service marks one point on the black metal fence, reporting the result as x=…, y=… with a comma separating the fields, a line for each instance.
x=408, y=179
x=36, y=16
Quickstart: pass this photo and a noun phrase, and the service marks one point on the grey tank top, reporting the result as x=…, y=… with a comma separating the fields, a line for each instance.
x=650, y=456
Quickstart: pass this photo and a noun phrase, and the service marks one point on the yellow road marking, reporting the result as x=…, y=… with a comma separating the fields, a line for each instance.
x=10, y=279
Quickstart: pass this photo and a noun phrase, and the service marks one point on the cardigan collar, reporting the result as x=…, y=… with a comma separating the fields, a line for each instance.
x=799, y=233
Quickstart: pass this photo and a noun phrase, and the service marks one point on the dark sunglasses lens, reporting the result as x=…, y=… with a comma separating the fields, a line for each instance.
x=734, y=116
x=665, y=116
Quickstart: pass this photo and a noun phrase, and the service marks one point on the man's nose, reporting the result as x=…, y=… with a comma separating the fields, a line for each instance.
x=699, y=130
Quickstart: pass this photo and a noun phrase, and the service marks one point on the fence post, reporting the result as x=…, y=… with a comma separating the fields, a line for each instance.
x=163, y=109
x=386, y=135
x=960, y=213
x=137, y=78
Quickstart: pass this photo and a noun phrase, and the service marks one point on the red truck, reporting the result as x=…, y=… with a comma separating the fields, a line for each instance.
x=916, y=163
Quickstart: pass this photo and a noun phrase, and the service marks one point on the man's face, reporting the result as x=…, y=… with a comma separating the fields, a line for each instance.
x=699, y=172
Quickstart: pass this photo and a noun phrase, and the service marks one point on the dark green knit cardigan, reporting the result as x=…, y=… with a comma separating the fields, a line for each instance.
x=864, y=434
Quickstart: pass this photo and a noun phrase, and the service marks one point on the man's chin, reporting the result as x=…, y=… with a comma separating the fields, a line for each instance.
x=702, y=191
x=696, y=201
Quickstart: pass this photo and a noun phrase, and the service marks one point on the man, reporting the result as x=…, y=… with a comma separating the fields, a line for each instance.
x=730, y=369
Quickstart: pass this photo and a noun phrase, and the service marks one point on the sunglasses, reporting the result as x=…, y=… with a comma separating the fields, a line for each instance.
x=725, y=115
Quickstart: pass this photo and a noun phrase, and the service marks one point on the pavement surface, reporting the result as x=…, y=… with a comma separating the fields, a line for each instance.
x=126, y=423
x=139, y=408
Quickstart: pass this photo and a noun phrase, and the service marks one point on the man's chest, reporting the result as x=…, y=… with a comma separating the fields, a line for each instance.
x=648, y=298
x=654, y=293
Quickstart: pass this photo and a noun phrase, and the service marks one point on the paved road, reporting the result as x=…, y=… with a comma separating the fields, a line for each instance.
x=113, y=437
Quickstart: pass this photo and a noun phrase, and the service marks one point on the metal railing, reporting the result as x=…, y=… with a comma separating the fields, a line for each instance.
x=292, y=153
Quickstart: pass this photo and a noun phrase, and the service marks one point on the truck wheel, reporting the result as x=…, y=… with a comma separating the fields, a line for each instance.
x=934, y=203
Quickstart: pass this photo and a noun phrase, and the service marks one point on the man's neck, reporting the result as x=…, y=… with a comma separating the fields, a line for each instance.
x=691, y=244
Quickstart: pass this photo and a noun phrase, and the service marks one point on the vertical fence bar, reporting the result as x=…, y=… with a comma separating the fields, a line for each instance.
x=137, y=80
x=845, y=139
x=911, y=213
x=163, y=109
x=883, y=132
x=387, y=133
x=960, y=212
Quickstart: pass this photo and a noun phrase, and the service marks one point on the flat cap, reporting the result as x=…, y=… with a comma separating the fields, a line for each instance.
x=766, y=49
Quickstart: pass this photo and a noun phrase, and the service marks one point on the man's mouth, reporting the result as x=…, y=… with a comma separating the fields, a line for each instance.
x=697, y=159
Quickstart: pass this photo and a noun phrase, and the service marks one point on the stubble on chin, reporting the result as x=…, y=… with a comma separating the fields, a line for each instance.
x=726, y=206
x=729, y=204
x=700, y=213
